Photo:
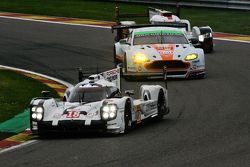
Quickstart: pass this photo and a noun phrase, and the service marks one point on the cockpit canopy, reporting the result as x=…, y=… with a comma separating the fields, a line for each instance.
x=92, y=93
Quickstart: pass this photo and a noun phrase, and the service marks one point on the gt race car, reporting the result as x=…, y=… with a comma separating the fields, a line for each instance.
x=201, y=37
x=149, y=48
x=96, y=104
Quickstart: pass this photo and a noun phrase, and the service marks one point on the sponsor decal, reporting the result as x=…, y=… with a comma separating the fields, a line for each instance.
x=92, y=114
x=166, y=51
x=150, y=107
x=138, y=111
x=113, y=76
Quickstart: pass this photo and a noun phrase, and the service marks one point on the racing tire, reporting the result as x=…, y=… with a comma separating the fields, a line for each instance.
x=161, y=105
x=116, y=61
x=202, y=76
x=127, y=116
x=210, y=49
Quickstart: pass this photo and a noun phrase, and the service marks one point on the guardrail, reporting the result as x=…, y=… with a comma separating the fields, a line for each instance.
x=222, y=4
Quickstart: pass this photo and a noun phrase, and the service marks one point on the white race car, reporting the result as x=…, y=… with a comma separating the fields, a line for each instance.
x=96, y=104
x=201, y=37
x=149, y=48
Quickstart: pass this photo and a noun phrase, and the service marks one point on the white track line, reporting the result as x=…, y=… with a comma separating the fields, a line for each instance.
x=231, y=40
x=54, y=22
x=67, y=84
x=29, y=142
x=95, y=26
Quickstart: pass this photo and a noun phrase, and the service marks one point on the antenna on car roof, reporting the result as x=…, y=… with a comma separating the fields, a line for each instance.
x=165, y=73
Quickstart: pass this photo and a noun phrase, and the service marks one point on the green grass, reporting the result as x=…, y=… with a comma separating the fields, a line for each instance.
x=16, y=92
x=230, y=21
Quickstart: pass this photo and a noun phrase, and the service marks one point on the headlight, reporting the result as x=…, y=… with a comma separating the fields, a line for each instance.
x=33, y=115
x=39, y=116
x=39, y=110
x=33, y=109
x=191, y=57
x=109, y=111
x=37, y=113
x=140, y=58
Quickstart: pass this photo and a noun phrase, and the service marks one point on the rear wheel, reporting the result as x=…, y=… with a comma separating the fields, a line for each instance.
x=209, y=49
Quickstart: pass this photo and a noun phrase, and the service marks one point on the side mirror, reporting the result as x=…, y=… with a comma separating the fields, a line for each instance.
x=194, y=40
x=129, y=92
x=124, y=42
x=45, y=93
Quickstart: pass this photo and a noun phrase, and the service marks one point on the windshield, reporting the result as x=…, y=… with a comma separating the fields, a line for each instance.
x=88, y=94
x=159, y=37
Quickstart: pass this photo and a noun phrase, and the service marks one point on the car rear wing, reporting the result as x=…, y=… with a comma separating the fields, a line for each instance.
x=149, y=13
x=123, y=30
x=113, y=75
x=167, y=24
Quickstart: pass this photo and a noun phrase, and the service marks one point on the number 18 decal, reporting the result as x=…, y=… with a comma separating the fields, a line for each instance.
x=73, y=114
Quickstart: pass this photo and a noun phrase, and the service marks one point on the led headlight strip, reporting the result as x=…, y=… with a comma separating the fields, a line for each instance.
x=109, y=111
x=37, y=113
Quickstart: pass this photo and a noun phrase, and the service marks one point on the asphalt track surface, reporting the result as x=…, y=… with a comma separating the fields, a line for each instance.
x=209, y=124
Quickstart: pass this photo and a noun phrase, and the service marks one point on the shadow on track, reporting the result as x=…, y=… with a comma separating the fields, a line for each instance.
x=146, y=125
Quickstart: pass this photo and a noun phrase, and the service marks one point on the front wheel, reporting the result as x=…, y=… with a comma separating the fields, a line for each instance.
x=161, y=106
x=127, y=116
x=202, y=76
x=116, y=61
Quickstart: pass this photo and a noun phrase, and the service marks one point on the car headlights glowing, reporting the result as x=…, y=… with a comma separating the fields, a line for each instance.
x=109, y=111
x=39, y=110
x=191, y=57
x=37, y=113
x=140, y=58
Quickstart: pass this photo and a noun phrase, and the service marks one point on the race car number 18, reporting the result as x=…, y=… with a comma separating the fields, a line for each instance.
x=73, y=114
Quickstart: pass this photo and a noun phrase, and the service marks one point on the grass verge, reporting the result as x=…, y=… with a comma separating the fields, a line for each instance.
x=16, y=92
x=230, y=21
